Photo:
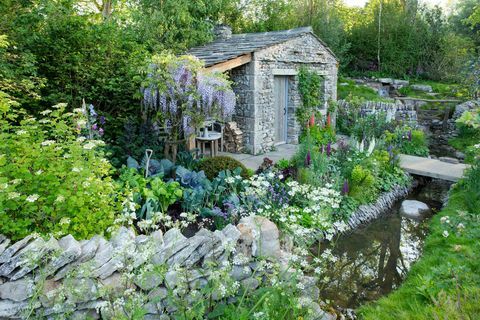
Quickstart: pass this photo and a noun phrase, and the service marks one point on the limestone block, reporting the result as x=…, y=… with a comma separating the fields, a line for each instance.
x=263, y=234
x=413, y=209
x=18, y=290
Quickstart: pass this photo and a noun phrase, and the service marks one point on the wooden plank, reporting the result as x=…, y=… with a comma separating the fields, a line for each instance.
x=230, y=64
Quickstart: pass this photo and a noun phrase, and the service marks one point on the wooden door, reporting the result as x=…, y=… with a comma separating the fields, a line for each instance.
x=280, y=92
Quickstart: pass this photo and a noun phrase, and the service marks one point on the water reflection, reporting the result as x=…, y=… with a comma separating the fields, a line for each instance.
x=372, y=261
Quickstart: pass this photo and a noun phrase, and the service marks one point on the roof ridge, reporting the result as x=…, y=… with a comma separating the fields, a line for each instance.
x=293, y=30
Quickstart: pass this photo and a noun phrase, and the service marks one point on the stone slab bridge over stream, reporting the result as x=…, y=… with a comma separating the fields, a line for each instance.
x=432, y=168
x=414, y=165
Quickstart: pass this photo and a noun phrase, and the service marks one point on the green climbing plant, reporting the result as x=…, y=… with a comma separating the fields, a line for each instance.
x=309, y=85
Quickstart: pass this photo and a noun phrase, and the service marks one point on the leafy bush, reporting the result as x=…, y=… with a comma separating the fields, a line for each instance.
x=408, y=141
x=214, y=165
x=320, y=135
x=362, y=185
x=52, y=181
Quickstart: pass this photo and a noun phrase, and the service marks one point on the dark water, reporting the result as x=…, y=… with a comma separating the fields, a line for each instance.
x=374, y=260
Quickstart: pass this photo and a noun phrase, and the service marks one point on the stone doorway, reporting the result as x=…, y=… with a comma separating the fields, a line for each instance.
x=280, y=93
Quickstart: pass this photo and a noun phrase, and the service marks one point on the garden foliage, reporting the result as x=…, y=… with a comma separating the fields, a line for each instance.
x=53, y=179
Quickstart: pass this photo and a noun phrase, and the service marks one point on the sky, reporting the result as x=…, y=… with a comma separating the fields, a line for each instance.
x=361, y=3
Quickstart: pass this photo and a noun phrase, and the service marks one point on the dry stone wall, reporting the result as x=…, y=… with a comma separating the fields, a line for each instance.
x=66, y=278
x=399, y=110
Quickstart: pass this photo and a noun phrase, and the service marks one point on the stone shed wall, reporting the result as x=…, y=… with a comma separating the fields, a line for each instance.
x=243, y=86
x=282, y=59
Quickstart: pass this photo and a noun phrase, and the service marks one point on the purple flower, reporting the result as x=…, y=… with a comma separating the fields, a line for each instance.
x=219, y=213
x=409, y=135
x=329, y=149
x=92, y=110
x=345, y=188
x=102, y=120
x=308, y=159
x=100, y=131
x=94, y=126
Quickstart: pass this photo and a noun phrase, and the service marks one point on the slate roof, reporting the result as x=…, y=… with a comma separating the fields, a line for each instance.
x=239, y=44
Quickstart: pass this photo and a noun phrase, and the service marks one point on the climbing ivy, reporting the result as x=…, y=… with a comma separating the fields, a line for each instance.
x=309, y=85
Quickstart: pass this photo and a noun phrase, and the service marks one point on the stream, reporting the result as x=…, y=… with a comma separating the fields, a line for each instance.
x=374, y=260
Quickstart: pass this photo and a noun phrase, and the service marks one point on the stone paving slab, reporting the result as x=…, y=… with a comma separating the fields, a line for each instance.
x=432, y=167
x=283, y=151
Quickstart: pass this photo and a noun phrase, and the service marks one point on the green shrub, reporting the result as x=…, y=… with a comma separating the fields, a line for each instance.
x=362, y=185
x=320, y=135
x=213, y=166
x=51, y=181
x=408, y=141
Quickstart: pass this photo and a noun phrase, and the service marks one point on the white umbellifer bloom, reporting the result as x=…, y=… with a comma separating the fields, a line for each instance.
x=64, y=220
x=300, y=286
x=445, y=219
x=21, y=132
x=81, y=139
x=230, y=180
x=13, y=195
x=60, y=199
x=445, y=233
x=89, y=146
x=47, y=142
x=461, y=226
x=45, y=112
x=32, y=198
x=78, y=110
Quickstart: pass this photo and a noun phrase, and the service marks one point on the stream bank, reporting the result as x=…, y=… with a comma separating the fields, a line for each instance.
x=374, y=258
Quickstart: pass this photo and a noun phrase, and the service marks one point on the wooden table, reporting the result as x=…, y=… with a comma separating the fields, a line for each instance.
x=212, y=138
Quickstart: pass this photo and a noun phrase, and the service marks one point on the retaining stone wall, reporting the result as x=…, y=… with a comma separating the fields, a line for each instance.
x=405, y=112
x=66, y=278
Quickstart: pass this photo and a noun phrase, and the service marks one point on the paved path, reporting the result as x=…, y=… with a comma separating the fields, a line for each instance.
x=284, y=151
x=432, y=167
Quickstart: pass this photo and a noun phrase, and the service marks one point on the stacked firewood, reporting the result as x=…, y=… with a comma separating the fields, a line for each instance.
x=232, y=138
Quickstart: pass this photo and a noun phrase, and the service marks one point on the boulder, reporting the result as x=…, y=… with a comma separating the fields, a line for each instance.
x=459, y=155
x=413, y=209
x=262, y=234
x=422, y=87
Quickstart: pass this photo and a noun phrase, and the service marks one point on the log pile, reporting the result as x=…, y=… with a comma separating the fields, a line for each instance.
x=232, y=138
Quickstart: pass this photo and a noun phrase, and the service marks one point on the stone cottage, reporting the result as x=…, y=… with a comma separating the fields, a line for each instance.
x=264, y=68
